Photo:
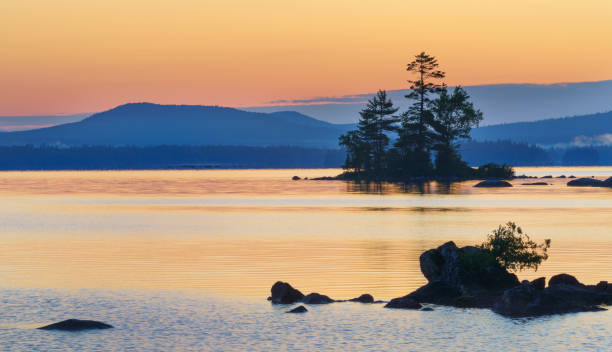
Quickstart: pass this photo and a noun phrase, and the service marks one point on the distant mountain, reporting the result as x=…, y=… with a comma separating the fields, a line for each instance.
x=145, y=124
x=500, y=103
x=577, y=131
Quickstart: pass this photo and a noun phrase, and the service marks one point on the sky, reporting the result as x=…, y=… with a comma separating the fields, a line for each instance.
x=75, y=56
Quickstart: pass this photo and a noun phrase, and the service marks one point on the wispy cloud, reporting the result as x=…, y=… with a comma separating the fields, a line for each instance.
x=598, y=140
x=359, y=98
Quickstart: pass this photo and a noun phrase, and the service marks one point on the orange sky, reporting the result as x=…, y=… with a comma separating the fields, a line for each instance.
x=70, y=56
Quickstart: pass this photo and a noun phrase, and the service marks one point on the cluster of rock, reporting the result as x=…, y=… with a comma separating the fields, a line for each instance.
x=469, y=277
x=579, y=182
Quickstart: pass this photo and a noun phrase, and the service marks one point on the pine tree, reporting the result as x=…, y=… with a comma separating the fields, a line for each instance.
x=416, y=135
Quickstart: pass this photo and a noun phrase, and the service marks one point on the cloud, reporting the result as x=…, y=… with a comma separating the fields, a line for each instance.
x=359, y=98
x=598, y=140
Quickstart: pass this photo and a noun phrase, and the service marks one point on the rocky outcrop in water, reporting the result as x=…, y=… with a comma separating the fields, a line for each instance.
x=564, y=294
x=364, y=298
x=316, y=298
x=464, y=277
x=493, y=183
x=403, y=303
x=76, y=325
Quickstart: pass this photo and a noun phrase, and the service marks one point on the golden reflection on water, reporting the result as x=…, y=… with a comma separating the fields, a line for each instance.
x=236, y=232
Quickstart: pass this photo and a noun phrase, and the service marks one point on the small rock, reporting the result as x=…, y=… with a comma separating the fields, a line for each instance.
x=427, y=309
x=539, y=283
x=296, y=178
x=365, y=298
x=562, y=176
x=535, y=184
x=493, y=183
x=76, y=325
x=315, y=298
x=547, y=176
x=298, y=309
x=403, y=303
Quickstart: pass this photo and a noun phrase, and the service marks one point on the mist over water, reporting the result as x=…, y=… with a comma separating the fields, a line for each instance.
x=182, y=260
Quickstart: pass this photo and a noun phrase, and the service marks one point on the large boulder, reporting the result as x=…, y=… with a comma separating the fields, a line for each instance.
x=586, y=182
x=76, y=325
x=316, y=298
x=564, y=279
x=493, y=183
x=528, y=300
x=464, y=277
x=283, y=293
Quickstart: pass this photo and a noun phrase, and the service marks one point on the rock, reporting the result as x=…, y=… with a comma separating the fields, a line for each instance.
x=547, y=176
x=364, y=298
x=403, y=303
x=283, y=293
x=572, y=176
x=586, y=182
x=527, y=300
x=539, y=283
x=535, y=184
x=315, y=298
x=427, y=309
x=296, y=178
x=602, y=286
x=564, y=279
x=76, y=325
x=608, y=182
x=562, y=176
x=298, y=309
x=493, y=183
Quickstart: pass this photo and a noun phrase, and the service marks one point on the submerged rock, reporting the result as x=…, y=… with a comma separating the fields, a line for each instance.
x=427, y=309
x=403, y=303
x=586, y=182
x=535, y=184
x=493, y=183
x=296, y=178
x=298, y=309
x=76, y=325
x=283, y=293
x=365, y=298
x=315, y=298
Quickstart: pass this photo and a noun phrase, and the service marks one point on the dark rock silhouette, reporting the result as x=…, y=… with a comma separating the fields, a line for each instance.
x=283, y=293
x=427, y=309
x=403, y=303
x=296, y=178
x=76, y=325
x=535, y=184
x=315, y=298
x=539, y=283
x=586, y=182
x=462, y=277
x=608, y=182
x=566, y=295
x=493, y=183
x=564, y=279
x=298, y=309
x=547, y=176
x=365, y=298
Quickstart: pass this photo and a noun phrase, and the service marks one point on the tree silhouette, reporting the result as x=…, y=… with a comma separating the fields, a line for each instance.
x=376, y=120
x=453, y=117
x=415, y=135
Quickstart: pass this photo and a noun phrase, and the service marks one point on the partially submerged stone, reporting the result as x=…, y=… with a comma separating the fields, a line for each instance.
x=365, y=298
x=586, y=182
x=403, y=303
x=316, y=298
x=76, y=325
x=298, y=309
x=493, y=183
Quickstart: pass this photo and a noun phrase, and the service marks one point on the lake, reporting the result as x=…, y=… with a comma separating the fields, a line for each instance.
x=184, y=260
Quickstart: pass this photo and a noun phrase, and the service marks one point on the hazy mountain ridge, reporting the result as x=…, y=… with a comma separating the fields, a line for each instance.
x=146, y=124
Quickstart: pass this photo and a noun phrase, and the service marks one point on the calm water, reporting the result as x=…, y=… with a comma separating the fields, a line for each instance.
x=183, y=260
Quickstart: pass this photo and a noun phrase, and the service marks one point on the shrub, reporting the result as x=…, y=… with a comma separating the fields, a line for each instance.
x=514, y=250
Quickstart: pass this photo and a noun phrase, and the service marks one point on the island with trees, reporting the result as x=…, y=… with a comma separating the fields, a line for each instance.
x=426, y=138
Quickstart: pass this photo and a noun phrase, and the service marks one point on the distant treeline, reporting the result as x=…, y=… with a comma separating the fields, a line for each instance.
x=166, y=157
x=237, y=157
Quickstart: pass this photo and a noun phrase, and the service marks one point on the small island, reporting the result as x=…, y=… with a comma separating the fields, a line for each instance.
x=426, y=137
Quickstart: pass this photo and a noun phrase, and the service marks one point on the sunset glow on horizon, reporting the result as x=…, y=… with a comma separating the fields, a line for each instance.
x=73, y=56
